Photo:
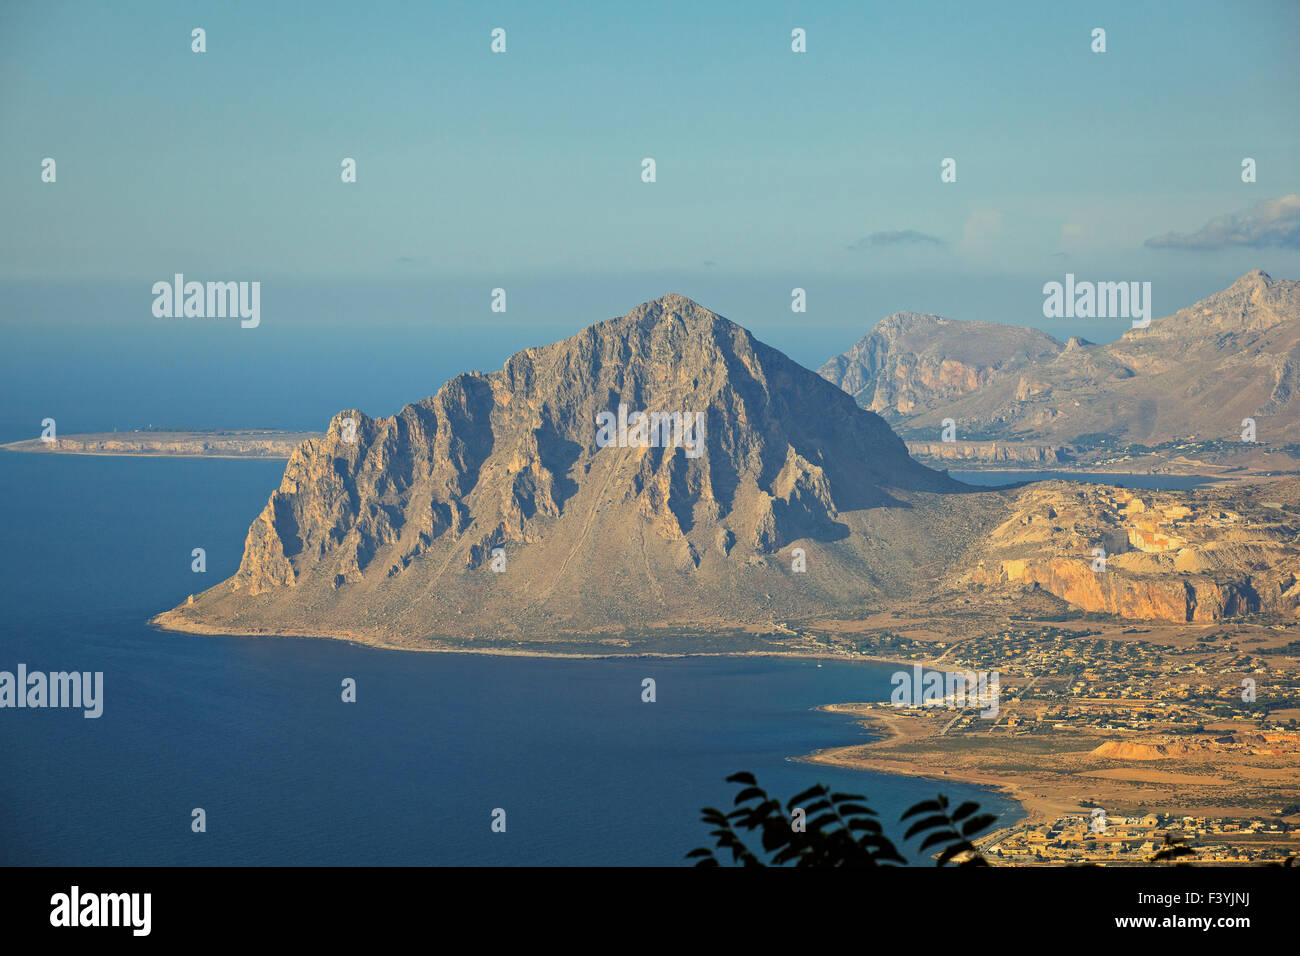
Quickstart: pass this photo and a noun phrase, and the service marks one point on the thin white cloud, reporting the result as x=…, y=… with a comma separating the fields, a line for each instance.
x=980, y=228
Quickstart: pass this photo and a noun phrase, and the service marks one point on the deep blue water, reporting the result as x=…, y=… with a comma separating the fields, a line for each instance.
x=253, y=729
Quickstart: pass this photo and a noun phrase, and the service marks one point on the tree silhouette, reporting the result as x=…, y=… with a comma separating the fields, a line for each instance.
x=834, y=829
x=1172, y=850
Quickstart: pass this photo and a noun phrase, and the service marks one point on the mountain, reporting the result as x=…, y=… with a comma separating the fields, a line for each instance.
x=1194, y=374
x=911, y=361
x=385, y=529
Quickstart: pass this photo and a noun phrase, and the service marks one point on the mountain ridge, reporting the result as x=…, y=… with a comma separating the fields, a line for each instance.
x=1195, y=373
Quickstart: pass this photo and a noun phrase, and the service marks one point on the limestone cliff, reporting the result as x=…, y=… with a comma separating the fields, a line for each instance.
x=990, y=452
x=1186, y=556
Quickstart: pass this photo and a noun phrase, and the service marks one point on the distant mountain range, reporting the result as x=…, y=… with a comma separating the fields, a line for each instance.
x=1195, y=374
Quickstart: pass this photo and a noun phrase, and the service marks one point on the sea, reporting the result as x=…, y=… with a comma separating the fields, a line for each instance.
x=254, y=730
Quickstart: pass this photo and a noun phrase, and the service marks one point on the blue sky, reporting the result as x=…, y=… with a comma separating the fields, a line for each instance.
x=771, y=165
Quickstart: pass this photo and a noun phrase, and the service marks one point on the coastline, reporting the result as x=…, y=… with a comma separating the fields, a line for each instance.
x=64, y=452
x=1034, y=809
x=164, y=621
x=278, y=445
x=252, y=444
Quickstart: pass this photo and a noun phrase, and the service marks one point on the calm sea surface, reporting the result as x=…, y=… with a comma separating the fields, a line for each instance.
x=253, y=730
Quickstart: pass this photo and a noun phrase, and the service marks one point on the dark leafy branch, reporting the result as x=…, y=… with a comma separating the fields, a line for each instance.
x=820, y=828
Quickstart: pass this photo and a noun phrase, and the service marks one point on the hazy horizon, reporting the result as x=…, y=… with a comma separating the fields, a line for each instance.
x=378, y=345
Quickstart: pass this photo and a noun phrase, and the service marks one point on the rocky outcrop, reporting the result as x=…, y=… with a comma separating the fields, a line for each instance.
x=1270, y=744
x=1126, y=750
x=991, y=452
x=1158, y=556
x=1143, y=597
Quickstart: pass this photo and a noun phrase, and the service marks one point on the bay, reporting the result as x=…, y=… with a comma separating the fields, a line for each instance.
x=254, y=730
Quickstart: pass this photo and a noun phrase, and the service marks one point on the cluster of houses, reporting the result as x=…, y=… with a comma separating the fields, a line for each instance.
x=1098, y=838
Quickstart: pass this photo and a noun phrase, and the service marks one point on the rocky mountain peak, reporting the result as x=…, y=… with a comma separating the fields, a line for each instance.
x=911, y=360
x=668, y=308
x=1254, y=302
x=1251, y=281
x=665, y=445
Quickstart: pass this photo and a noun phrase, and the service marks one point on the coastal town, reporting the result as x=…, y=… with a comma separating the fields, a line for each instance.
x=1099, y=839
x=1119, y=738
